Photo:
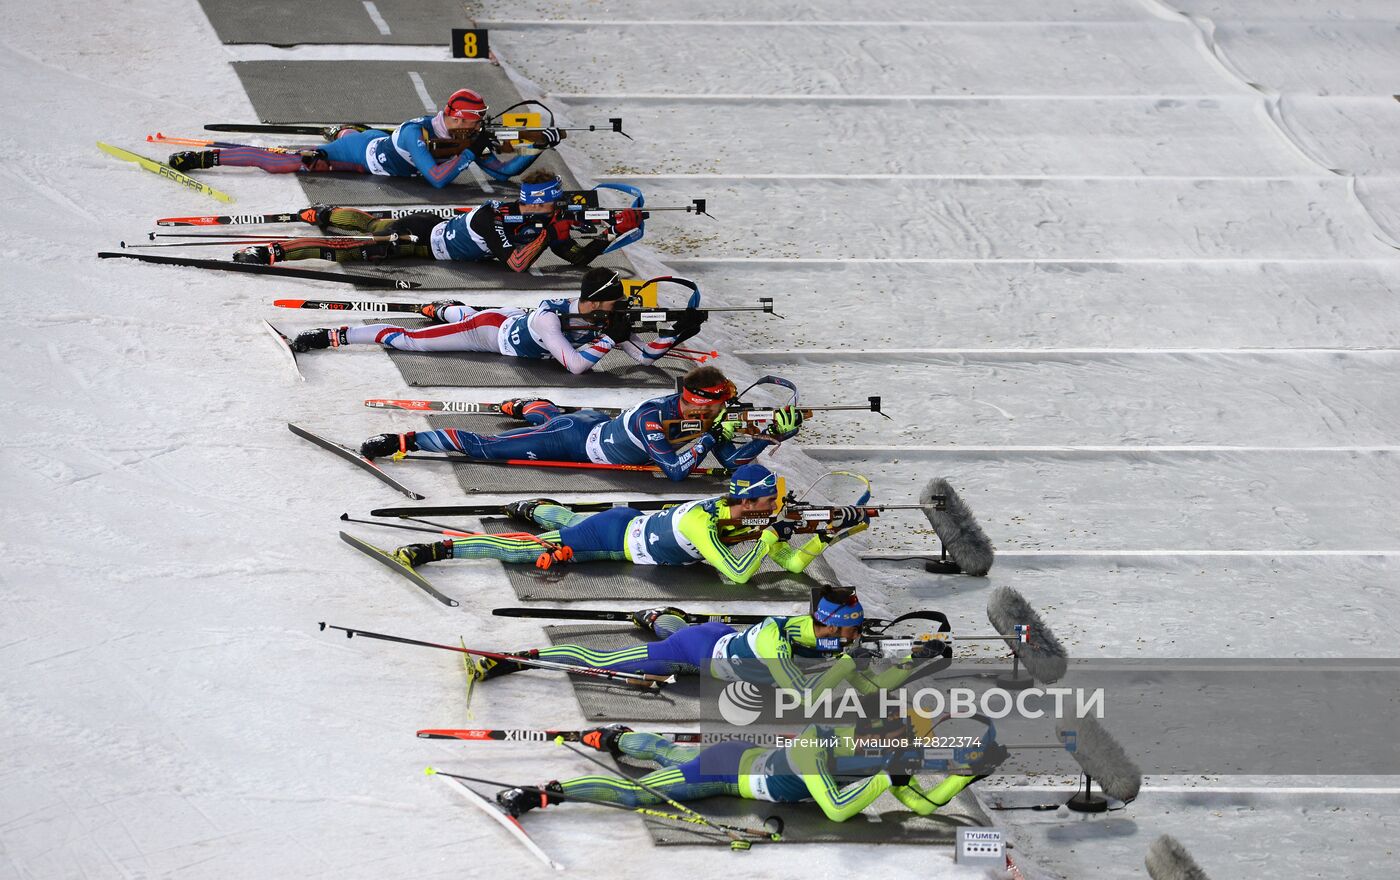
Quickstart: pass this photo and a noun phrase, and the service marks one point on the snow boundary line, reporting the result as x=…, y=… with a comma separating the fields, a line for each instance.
x=1227, y=789
x=858, y=98
x=912, y=555
x=1038, y=178
x=832, y=450
x=567, y=23
x=1037, y=353
x=1034, y=261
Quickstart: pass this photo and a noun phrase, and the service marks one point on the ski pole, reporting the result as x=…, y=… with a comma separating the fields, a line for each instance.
x=644, y=811
x=637, y=679
x=180, y=244
x=733, y=832
x=451, y=533
x=233, y=236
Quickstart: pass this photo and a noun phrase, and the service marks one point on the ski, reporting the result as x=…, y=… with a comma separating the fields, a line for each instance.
x=498, y=510
x=286, y=345
x=504, y=819
x=468, y=667
x=620, y=616
x=327, y=305
x=162, y=170
x=386, y=282
x=306, y=215
x=261, y=128
x=462, y=458
x=390, y=562
x=354, y=458
x=461, y=407
x=684, y=737
x=626, y=616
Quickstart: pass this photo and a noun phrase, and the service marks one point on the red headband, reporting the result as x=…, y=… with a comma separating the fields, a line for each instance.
x=703, y=396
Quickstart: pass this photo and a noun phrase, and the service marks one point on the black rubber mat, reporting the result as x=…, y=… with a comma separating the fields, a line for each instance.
x=407, y=22
x=460, y=369
x=673, y=584
x=546, y=480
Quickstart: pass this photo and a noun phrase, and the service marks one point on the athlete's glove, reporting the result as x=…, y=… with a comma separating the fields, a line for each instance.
x=626, y=221
x=983, y=759
x=688, y=325
x=786, y=421
x=547, y=137
x=560, y=227
x=849, y=518
x=905, y=761
x=930, y=649
x=619, y=327
x=860, y=652
x=723, y=430
x=784, y=529
x=900, y=779
x=482, y=142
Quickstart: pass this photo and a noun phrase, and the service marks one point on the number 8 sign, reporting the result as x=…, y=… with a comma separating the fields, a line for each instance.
x=468, y=43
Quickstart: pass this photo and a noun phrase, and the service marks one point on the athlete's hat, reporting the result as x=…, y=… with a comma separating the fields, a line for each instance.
x=838, y=609
x=541, y=193
x=752, y=481
x=465, y=104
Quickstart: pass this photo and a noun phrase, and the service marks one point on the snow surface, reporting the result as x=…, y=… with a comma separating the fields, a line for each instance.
x=1100, y=177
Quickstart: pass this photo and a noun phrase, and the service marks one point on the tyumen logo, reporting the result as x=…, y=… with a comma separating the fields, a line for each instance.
x=740, y=703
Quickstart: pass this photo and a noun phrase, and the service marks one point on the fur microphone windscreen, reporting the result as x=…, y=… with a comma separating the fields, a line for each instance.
x=1167, y=859
x=957, y=528
x=1102, y=757
x=1043, y=656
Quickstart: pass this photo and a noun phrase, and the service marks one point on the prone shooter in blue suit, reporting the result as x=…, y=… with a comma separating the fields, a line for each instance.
x=515, y=234
x=640, y=435
x=436, y=147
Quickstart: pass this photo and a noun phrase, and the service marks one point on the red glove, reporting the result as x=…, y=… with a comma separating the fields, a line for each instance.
x=626, y=221
x=559, y=227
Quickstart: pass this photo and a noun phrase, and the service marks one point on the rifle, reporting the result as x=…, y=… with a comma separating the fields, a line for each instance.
x=810, y=518
x=747, y=414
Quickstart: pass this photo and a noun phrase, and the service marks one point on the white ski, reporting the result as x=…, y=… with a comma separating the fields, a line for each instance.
x=286, y=346
x=506, y=820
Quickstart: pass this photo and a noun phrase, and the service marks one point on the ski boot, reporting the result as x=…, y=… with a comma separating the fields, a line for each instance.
x=414, y=555
x=261, y=254
x=317, y=215
x=336, y=132
x=515, y=408
x=322, y=337
x=193, y=160
x=646, y=618
x=516, y=801
x=604, y=739
x=524, y=511
x=389, y=444
x=434, y=309
x=486, y=668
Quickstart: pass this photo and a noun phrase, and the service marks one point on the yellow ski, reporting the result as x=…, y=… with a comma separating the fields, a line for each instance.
x=469, y=666
x=165, y=171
